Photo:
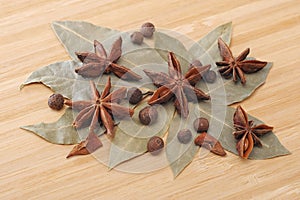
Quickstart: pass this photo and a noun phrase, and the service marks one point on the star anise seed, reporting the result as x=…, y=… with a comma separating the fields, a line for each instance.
x=95, y=64
x=175, y=84
x=236, y=67
x=210, y=143
x=247, y=133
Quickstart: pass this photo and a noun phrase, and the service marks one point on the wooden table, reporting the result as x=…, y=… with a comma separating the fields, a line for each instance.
x=31, y=168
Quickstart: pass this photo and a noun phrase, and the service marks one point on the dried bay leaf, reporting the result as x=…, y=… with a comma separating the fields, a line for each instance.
x=80, y=35
x=85, y=33
x=180, y=155
x=164, y=43
x=225, y=90
x=60, y=132
x=60, y=77
x=206, y=49
x=221, y=127
x=132, y=137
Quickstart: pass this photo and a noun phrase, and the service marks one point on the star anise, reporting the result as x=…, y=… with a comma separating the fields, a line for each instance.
x=101, y=108
x=247, y=133
x=236, y=67
x=95, y=64
x=174, y=84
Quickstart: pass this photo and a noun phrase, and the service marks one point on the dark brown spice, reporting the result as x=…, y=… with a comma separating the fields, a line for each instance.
x=147, y=29
x=247, y=133
x=210, y=76
x=201, y=124
x=95, y=64
x=56, y=101
x=137, y=37
x=155, y=145
x=209, y=142
x=175, y=84
x=91, y=144
x=196, y=63
x=148, y=115
x=184, y=136
x=134, y=95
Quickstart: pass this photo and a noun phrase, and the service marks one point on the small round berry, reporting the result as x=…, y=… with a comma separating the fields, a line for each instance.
x=148, y=115
x=134, y=95
x=147, y=29
x=155, y=145
x=56, y=101
x=196, y=63
x=184, y=136
x=201, y=124
x=210, y=76
x=137, y=37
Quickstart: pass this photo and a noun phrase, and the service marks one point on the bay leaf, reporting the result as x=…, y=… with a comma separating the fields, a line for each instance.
x=179, y=155
x=228, y=92
x=59, y=132
x=80, y=35
x=131, y=137
x=206, y=49
x=165, y=43
x=60, y=77
x=221, y=127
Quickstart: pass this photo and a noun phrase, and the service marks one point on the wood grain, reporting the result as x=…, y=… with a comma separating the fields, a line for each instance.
x=31, y=168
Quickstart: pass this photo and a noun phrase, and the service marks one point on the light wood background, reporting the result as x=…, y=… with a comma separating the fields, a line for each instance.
x=31, y=168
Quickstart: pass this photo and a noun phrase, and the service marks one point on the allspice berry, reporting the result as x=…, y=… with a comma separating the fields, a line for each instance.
x=56, y=101
x=210, y=76
x=201, y=124
x=196, y=63
x=155, y=145
x=148, y=115
x=134, y=95
x=184, y=136
x=137, y=37
x=147, y=29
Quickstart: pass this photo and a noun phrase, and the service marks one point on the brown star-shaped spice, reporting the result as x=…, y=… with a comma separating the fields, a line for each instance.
x=236, y=67
x=174, y=84
x=95, y=64
x=101, y=108
x=247, y=133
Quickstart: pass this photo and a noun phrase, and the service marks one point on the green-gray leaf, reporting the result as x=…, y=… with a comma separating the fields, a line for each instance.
x=59, y=132
x=80, y=35
x=206, y=49
x=131, y=136
x=179, y=155
x=60, y=77
x=221, y=127
x=84, y=34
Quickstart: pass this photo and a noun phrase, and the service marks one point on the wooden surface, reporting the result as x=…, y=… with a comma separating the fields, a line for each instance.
x=31, y=168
